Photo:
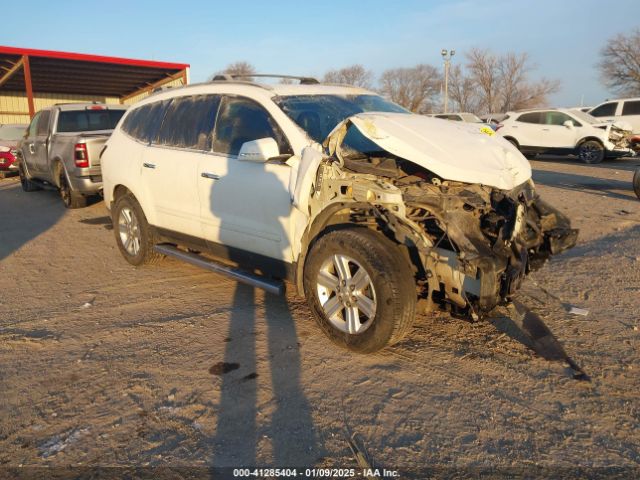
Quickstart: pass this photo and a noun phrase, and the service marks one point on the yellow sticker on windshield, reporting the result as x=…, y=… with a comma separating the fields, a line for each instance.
x=487, y=131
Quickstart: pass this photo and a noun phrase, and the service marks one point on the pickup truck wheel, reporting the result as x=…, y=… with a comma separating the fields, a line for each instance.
x=636, y=183
x=591, y=152
x=360, y=288
x=27, y=185
x=70, y=198
x=134, y=235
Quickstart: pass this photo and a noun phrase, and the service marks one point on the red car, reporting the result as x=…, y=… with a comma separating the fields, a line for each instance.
x=10, y=135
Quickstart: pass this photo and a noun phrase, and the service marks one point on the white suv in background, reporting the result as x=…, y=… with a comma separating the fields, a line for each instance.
x=364, y=207
x=624, y=109
x=564, y=131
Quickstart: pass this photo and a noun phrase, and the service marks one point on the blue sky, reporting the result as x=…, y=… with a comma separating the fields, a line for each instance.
x=562, y=37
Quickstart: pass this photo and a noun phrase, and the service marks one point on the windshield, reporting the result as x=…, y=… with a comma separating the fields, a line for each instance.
x=10, y=132
x=471, y=118
x=584, y=116
x=318, y=115
x=88, y=120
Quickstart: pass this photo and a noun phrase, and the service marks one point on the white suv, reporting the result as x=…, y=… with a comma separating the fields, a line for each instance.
x=565, y=131
x=624, y=109
x=366, y=209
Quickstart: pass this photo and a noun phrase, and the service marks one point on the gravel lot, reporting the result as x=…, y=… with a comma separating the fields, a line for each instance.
x=106, y=364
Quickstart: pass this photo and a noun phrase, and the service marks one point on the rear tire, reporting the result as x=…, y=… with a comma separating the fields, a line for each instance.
x=70, y=198
x=27, y=185
x=636, y=183
x=360, y=288
x=134, y=236
x=591, y=152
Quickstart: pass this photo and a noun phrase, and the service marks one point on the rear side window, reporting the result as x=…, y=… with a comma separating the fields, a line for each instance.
x=43, y=123
x=531, y=117
x=189, y=122
x=142, y=123
x=631, y=108
x=88, y=120
x=605, y=110
x=241, y=120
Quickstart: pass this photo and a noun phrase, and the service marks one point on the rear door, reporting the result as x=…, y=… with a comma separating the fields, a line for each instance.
x=528, y=129
x=170, y=166
x=245, y=205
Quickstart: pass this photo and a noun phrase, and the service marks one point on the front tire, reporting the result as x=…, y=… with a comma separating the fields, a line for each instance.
x=591, y=152
x=360, y=288
x=27, y=185
x=636, y=183
x=134, y=235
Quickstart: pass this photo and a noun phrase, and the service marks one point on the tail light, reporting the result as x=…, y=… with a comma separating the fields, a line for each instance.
x=81, y=155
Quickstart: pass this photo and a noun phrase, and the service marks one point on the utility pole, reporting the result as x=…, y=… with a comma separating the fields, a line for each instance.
x=446, y=56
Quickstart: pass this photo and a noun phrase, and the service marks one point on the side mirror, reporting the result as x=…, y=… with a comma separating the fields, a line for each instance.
x=568, y=123
x=259, y=150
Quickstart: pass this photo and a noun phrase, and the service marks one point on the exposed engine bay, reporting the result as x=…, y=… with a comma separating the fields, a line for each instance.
x=470, y=244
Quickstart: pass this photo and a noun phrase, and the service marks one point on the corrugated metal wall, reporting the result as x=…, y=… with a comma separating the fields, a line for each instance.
x=17, y=102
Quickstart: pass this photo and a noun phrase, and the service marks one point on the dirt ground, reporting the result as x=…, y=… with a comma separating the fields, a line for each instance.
x=105, y=364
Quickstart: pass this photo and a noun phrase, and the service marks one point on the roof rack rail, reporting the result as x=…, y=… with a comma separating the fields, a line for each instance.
x=229, y=77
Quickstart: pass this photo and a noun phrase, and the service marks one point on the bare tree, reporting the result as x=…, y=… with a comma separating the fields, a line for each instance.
x=239, y=68
x=414, y=88
x=462, y=91
x=620, y=63
x=353, y=75
x=501, y=83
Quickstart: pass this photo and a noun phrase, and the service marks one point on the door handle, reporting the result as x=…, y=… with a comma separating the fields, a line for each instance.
x=211, y=176
x=149, y=165
x=32, y=148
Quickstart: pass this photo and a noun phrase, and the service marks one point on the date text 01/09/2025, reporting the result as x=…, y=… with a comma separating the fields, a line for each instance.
x=314, y=473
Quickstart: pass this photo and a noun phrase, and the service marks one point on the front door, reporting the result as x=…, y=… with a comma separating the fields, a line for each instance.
x=245, y=205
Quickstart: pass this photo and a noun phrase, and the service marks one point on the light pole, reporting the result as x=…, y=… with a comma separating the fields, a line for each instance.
x=446, y=56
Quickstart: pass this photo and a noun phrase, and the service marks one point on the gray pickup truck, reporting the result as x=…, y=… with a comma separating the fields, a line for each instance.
x=61, y=149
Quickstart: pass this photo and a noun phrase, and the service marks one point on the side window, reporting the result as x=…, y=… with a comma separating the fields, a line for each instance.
x=605, y=110
x=151, y=119
x=43, y=123
x=189, y=122
x=631, y=108
x=34, y=124
x=531, y=117
x=140, y=122
x=558, y=118
x=242, y=120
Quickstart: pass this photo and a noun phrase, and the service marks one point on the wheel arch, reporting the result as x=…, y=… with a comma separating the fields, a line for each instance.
x=121, y=189
x=511, y=138
x=587, y=139
x=340, y=216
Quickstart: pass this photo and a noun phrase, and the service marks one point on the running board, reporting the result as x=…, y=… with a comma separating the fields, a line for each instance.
x=272, y=286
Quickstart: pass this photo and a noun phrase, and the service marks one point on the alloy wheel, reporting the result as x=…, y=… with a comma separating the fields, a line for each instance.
x=129, y=231
x=346, y=293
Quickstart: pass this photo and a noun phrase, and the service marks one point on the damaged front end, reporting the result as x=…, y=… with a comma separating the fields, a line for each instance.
x=471, y=244
x=485, y=240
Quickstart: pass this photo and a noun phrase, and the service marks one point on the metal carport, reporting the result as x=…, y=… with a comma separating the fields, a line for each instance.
x=34, y=72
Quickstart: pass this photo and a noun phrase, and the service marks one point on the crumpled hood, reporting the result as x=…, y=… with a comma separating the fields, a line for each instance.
x=452, y=150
